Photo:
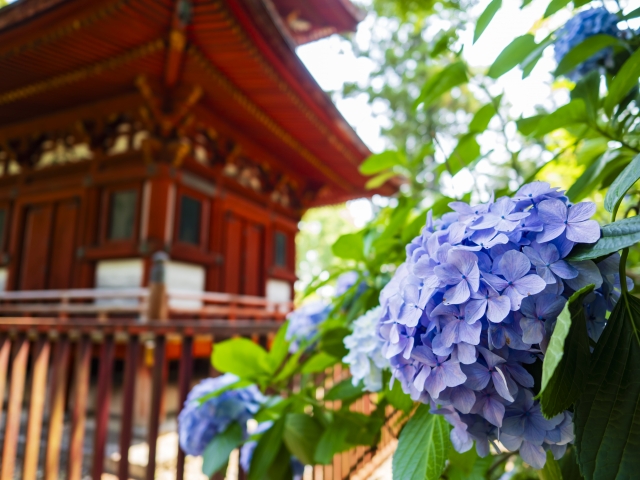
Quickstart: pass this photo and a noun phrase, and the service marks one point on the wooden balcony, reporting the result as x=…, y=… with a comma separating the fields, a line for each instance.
x=91, y=378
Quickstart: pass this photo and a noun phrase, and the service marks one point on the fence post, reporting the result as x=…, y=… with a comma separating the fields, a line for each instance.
x=158, y=308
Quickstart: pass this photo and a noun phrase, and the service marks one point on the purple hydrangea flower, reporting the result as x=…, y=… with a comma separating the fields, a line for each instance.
x=595, y=21
x=475, y=303
x=199, y=422
x=304, y=323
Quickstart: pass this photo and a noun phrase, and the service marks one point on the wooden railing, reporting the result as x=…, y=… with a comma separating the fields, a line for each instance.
x=76, y=365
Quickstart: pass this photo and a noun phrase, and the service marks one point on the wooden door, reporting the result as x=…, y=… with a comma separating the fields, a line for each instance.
x=34, y=266
x=48, y=246
x=233, y=254
x=253, y=279
x=63, y=245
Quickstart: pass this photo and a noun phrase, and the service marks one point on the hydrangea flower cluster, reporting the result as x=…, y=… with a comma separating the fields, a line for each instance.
x=365, y=358
x=199, y=423
x=476, y=302
x=304, y=323
x=595, y=21
x=246, y=453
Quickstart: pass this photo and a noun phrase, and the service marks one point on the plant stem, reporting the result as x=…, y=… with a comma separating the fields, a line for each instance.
x=623, y=271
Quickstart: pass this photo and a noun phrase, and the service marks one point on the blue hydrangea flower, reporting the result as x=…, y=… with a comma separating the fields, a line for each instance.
x=199, y=423
x=365, y=358
x=304, y=323
x=477, y=300
x=585, y=24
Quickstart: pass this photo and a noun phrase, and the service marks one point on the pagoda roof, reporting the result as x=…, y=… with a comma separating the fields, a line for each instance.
x=62, y=56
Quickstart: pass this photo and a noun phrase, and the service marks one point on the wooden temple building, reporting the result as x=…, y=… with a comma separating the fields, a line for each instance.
x=131, y=127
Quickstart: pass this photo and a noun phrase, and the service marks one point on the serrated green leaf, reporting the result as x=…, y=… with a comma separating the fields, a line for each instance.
x=554, y=6
x=573, y=112
x=566, y=360
x=485, y=18
x=583, y=51
x=622, y=184
x=623, y=82
x=216, y=454
x=615, y=236
x=267, y=450
x=345, y=390
x=451, y=76
x=241, y=357
x=467, y=466
x=514, y=53
x=381, y=161
x=349, y=246
x=319, y=363
x=551, y=469
x=301, y=436
x=422, y=447
x=607, y=415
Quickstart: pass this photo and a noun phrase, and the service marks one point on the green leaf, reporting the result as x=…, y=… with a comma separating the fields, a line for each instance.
x=301, y=436
x=583, y=51
x=569, y=465
x=267, y=450
x=319, y=363
x=551, y=469
x=554, y=6
x=279, y=348
x=280, y=468
x=382, y=161
x=216, y=454
x=481, y=119
x=566, y=360
x=573, y=112
x=607, y=416
x=632, y=14
x=622, y=184
x=451, y=76
x=379, y=180
x=486, y=17
x=527, y=126
x=588, y=90
x=615, y=236
x=422, y=447
x=332, y=441
x=398, y=399
x=623, y=82
x=592, y=177
x=529, y=63
x=467, y=465
x=514, y=53
x=332, y=342
x=345, y=390
x=349, y=246
x=241, y=357
x=290, y=367
x=465, y=152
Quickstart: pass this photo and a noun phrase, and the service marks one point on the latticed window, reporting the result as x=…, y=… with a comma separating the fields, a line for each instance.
x=190, y=216
x=122, y=214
